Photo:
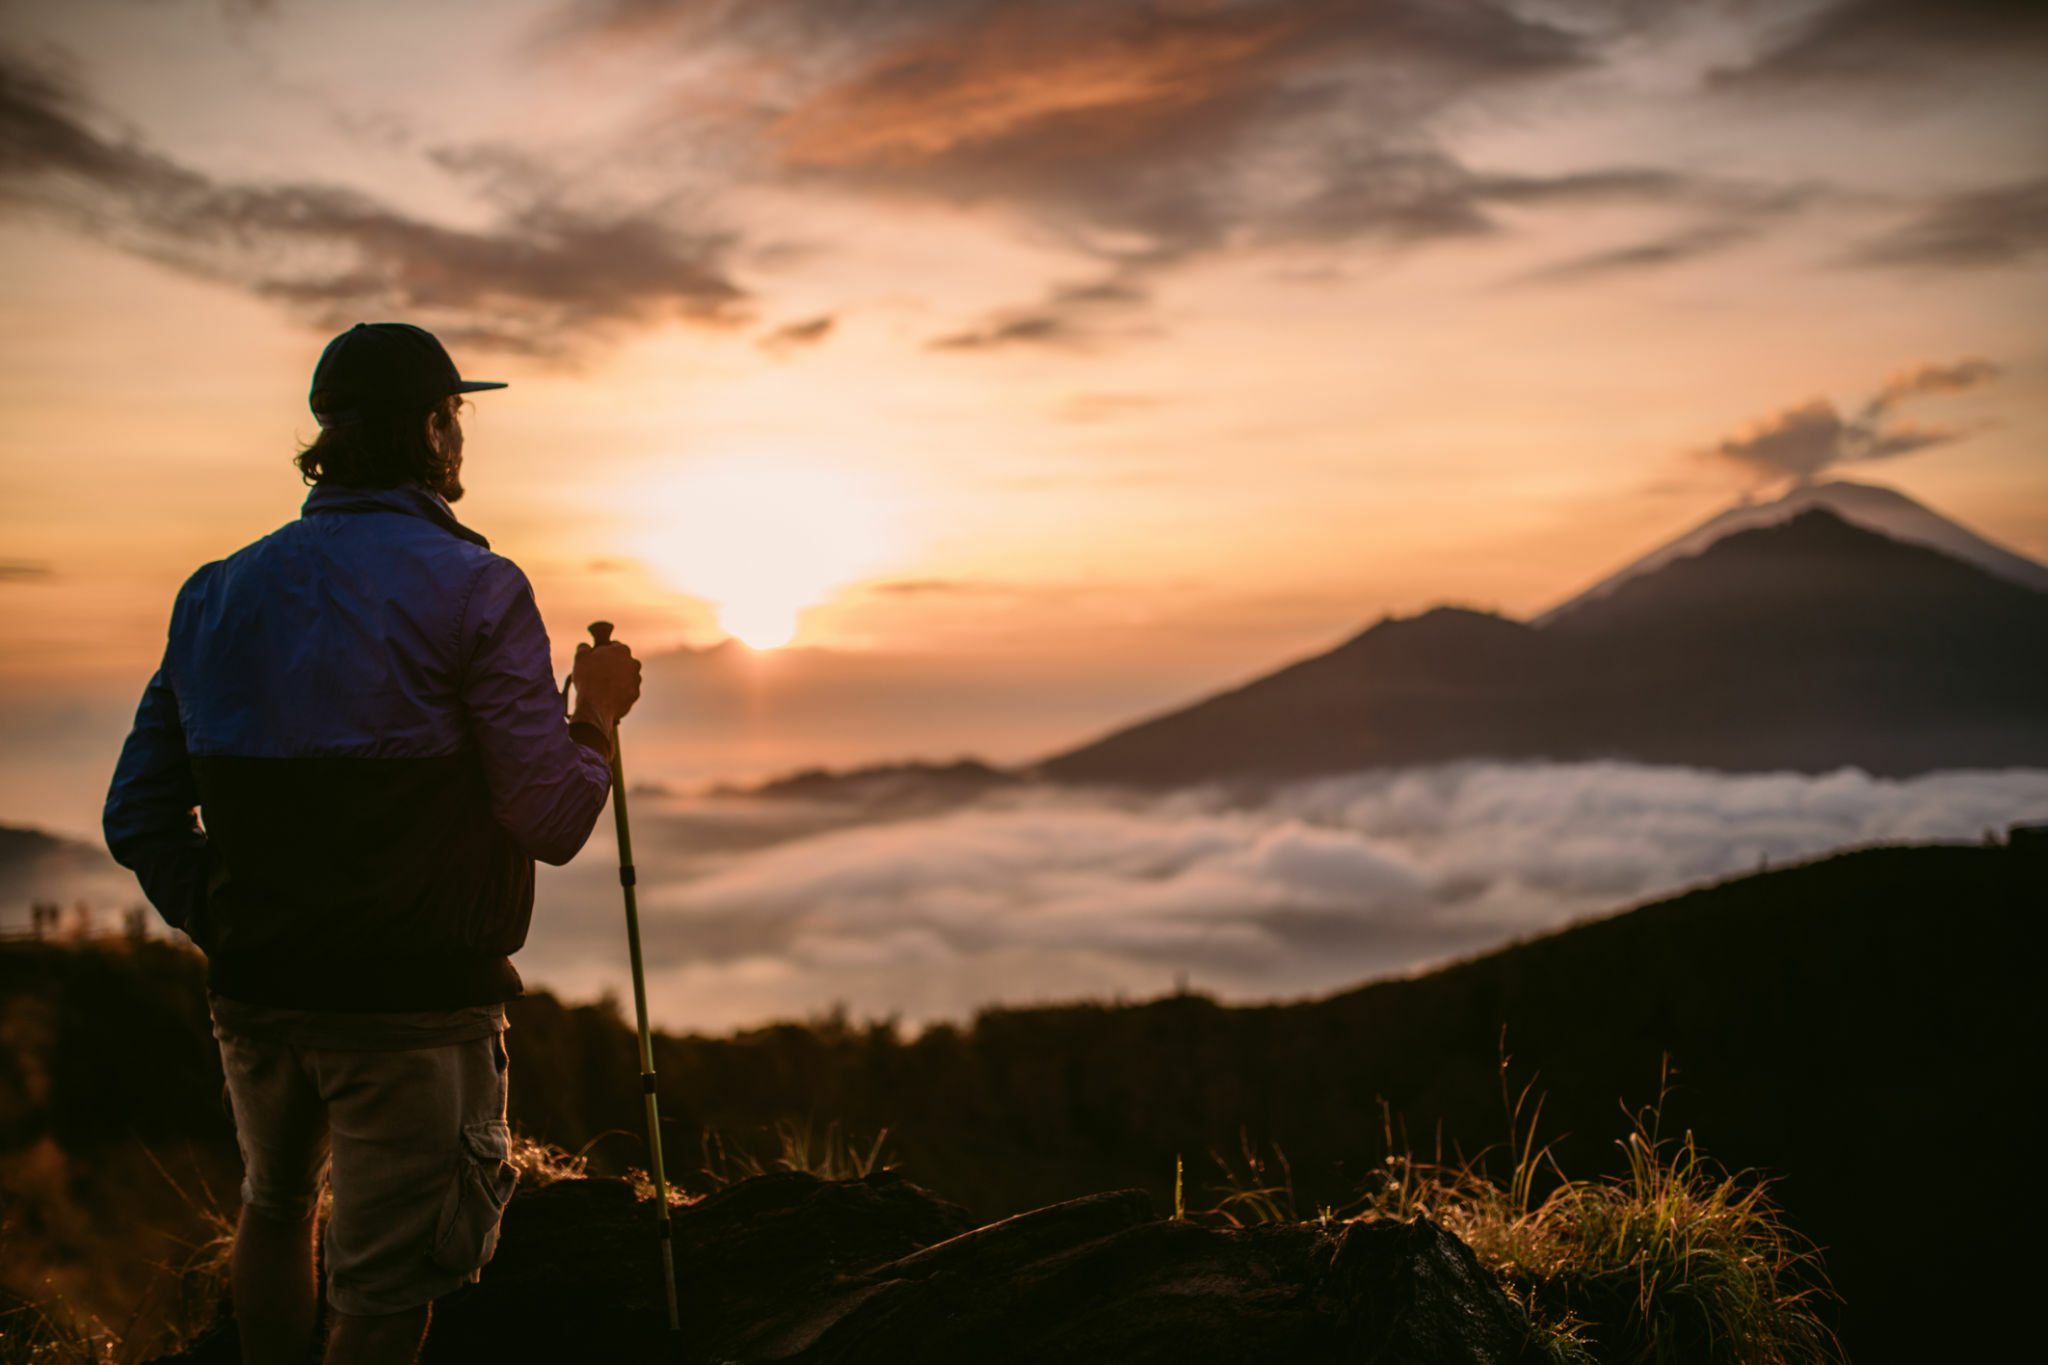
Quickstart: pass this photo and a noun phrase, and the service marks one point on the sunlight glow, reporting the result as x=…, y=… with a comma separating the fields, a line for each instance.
x=762, y=537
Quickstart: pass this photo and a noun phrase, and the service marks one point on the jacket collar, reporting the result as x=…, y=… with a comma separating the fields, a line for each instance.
x=409, y=500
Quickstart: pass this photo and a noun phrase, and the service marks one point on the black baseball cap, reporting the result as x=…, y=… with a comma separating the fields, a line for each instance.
x=384, y=367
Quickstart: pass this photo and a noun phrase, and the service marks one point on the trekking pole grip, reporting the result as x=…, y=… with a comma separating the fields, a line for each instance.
x=601, y=632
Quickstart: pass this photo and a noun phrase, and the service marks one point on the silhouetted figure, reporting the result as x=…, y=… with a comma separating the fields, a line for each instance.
x=362, y=705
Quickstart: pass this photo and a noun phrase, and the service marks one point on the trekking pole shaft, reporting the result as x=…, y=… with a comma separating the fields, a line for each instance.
x=601, y=631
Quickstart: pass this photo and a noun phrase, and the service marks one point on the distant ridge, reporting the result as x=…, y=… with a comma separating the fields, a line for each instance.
x=1884, y=510
x=1809, y=644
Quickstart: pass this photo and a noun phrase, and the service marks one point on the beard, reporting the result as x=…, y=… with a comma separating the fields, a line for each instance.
x=444, y=434
x=450, y=484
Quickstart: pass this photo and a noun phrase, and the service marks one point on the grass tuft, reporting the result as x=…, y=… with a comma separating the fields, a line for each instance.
x=1253, y=1192
x=830, y=1154
x=1675, y=1260
x=541, y=1164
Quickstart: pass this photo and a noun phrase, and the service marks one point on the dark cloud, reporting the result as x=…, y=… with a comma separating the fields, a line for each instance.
x=1813, y=436
x=1881, y=42
x=794, y=336
x=1143, y=133
x=1147, y=132
x=2003, y=225
x=1070, y=315
x=1726, y=216
x=544, y=278
x=1688, y=244
x=1930, y=379
x=25, y=571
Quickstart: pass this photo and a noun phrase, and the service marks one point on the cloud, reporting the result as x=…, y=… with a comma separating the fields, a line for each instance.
x=1689, y=244
x=1142, y=134
x=1046, y=894
x=1879, y=43
x=1727, y=215
x=1070, y=315
x=25, y=571
x=545, y=278
x=925, y=587
x=1931, y=379
x=1105, y=407
x=794, y=336
x=1980, y=229
x=1803, y=440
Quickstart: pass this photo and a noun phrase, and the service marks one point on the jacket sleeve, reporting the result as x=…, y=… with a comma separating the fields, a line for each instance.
x=546, y=788
x=151, y=817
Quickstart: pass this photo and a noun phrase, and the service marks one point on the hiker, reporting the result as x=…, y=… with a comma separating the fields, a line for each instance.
x=362, y=707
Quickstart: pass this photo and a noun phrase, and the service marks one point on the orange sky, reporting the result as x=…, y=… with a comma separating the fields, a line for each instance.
x=1079, y=357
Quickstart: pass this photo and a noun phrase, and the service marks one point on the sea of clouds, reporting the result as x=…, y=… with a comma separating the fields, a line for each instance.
x=757, y=910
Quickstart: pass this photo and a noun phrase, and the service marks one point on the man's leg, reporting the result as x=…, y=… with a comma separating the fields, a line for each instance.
x=393, y=1339
x=274, y=1288
x=281, y=1128
x=419, y=1179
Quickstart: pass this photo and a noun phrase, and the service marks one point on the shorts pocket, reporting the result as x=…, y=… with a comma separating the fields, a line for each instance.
x=466, y=1234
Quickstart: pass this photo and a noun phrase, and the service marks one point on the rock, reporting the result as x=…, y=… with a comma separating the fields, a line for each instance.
x=577, y=1275
x=1169, y=1292
x=789, y=1268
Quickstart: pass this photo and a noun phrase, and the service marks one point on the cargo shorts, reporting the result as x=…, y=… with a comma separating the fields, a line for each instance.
x=413, y=1145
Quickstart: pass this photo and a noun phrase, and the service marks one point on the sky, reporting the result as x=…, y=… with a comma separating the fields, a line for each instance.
x=1018, y=368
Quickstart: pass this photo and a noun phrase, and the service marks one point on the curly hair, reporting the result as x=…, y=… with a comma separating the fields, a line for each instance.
x=389, y=450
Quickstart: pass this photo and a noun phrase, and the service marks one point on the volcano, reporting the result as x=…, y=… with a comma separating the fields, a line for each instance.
x=1782, y=636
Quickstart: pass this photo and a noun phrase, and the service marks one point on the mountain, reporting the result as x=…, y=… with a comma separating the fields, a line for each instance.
x=36, y=866
x=1884, y=510
x=1809, y=644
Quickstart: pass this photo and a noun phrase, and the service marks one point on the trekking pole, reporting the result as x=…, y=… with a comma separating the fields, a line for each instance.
x=601, y=633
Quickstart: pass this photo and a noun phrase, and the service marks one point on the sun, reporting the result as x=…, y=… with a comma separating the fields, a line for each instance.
x=763, y=537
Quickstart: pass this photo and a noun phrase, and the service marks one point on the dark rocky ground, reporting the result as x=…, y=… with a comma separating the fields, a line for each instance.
x=788, y=1267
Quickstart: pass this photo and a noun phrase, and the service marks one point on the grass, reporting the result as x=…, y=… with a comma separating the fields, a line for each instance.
x=829, y=1154
x=1253, y=1192
x=52, y=1334
x=182, y=1299
x=1674, y=1260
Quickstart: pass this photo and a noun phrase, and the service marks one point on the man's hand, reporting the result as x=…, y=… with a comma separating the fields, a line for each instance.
x=607, y=679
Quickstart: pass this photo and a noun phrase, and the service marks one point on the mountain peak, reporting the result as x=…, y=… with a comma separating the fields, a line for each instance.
x=1870, y=506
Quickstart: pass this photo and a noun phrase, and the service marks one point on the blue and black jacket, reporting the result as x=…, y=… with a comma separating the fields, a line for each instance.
x=340, y=777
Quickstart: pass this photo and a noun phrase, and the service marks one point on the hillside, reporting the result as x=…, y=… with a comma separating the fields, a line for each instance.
x=1807, y=645
x=37, y=866
x=1861, y=1026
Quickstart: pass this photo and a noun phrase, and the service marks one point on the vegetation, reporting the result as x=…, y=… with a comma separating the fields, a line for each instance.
x=1827, y=1024
x=1673, y=1260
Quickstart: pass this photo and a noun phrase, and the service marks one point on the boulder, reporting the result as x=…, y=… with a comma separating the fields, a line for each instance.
x=790, y=1268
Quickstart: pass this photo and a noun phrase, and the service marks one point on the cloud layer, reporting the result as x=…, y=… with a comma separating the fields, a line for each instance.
x=759, y=913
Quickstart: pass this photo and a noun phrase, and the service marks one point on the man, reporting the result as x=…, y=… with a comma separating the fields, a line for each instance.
x=362, y=709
